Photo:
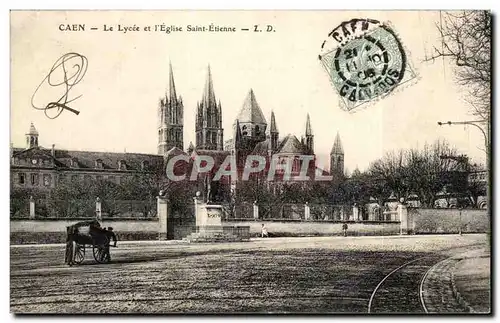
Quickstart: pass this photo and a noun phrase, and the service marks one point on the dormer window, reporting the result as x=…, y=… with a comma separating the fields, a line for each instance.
x=98, y=164
x=122, y=165
x=145, y=165
x=74, y=162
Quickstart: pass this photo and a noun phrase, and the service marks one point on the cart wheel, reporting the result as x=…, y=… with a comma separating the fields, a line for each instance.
x=79, y=253
x=99, y=252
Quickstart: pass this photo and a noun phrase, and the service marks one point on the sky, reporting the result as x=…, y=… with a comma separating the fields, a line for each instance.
x=128, y=73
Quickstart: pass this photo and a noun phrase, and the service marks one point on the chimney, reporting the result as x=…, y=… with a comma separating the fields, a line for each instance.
x=53, y=150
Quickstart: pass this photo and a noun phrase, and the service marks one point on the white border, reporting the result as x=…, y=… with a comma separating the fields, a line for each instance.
x=191, y=4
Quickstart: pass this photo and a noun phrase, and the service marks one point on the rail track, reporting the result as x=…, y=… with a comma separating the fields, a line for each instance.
x=402, y=290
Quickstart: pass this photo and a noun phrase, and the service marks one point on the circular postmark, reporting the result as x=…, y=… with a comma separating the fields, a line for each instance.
x=365, y=60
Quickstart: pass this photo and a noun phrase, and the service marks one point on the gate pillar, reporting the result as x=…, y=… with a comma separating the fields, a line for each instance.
x=162, y=211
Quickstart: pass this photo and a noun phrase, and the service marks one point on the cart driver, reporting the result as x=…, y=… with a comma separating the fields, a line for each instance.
x=111, y=235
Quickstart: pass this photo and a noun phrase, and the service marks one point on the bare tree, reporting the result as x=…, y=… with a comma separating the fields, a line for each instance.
x=416, y=171
x=466, y=39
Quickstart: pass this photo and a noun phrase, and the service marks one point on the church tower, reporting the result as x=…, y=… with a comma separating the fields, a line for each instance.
x=273, y=134
x=171, y=123
x=251, y=122
x=32, y=137
x=209, y=131
x=309, y=137
x=337, y=157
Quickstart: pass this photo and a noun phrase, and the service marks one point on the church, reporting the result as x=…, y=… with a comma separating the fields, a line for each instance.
x=252, y=135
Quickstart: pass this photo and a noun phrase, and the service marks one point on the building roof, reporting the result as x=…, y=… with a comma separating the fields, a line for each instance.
x=87, y=159
x=218, y=155
x=251, y=112
x=175, y=152
x=291, y=145
x=262, y=148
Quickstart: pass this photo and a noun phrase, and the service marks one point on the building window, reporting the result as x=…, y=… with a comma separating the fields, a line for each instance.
x=98, y=164
x=74, y=162
x=22, y=178
x=122, y=165
x=34, y=179
x=145, y=165
x=47, y=180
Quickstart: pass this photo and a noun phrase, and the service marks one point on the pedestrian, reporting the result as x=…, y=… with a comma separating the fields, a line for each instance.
x=264, y=231
x=110, y=235
x=344, y=229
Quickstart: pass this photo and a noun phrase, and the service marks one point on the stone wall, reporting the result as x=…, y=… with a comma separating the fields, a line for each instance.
x=299, y=228
x=54, y=230
x=450, y=220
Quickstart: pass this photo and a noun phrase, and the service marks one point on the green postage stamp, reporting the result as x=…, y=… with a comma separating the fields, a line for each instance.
x=365, y=61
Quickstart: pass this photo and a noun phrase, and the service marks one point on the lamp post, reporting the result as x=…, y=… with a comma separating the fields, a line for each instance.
x=472, y=123
x=476, y=123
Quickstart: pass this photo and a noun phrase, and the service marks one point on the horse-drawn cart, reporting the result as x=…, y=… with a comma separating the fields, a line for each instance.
x=84, y=236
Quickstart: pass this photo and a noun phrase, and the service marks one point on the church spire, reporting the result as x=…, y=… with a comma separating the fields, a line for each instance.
x=308, y=126
x=208, y=93
x=273, y=133
x=209, y=131
x=309, y=138
x=173, y=95
x=237, y=135
x=337, y=146
x=171, y=118
x=337, y=157
x=274, y=127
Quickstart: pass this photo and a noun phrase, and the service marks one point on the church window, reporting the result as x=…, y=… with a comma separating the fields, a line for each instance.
x=34, y=179
x=22, y=178
x=257, y=130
